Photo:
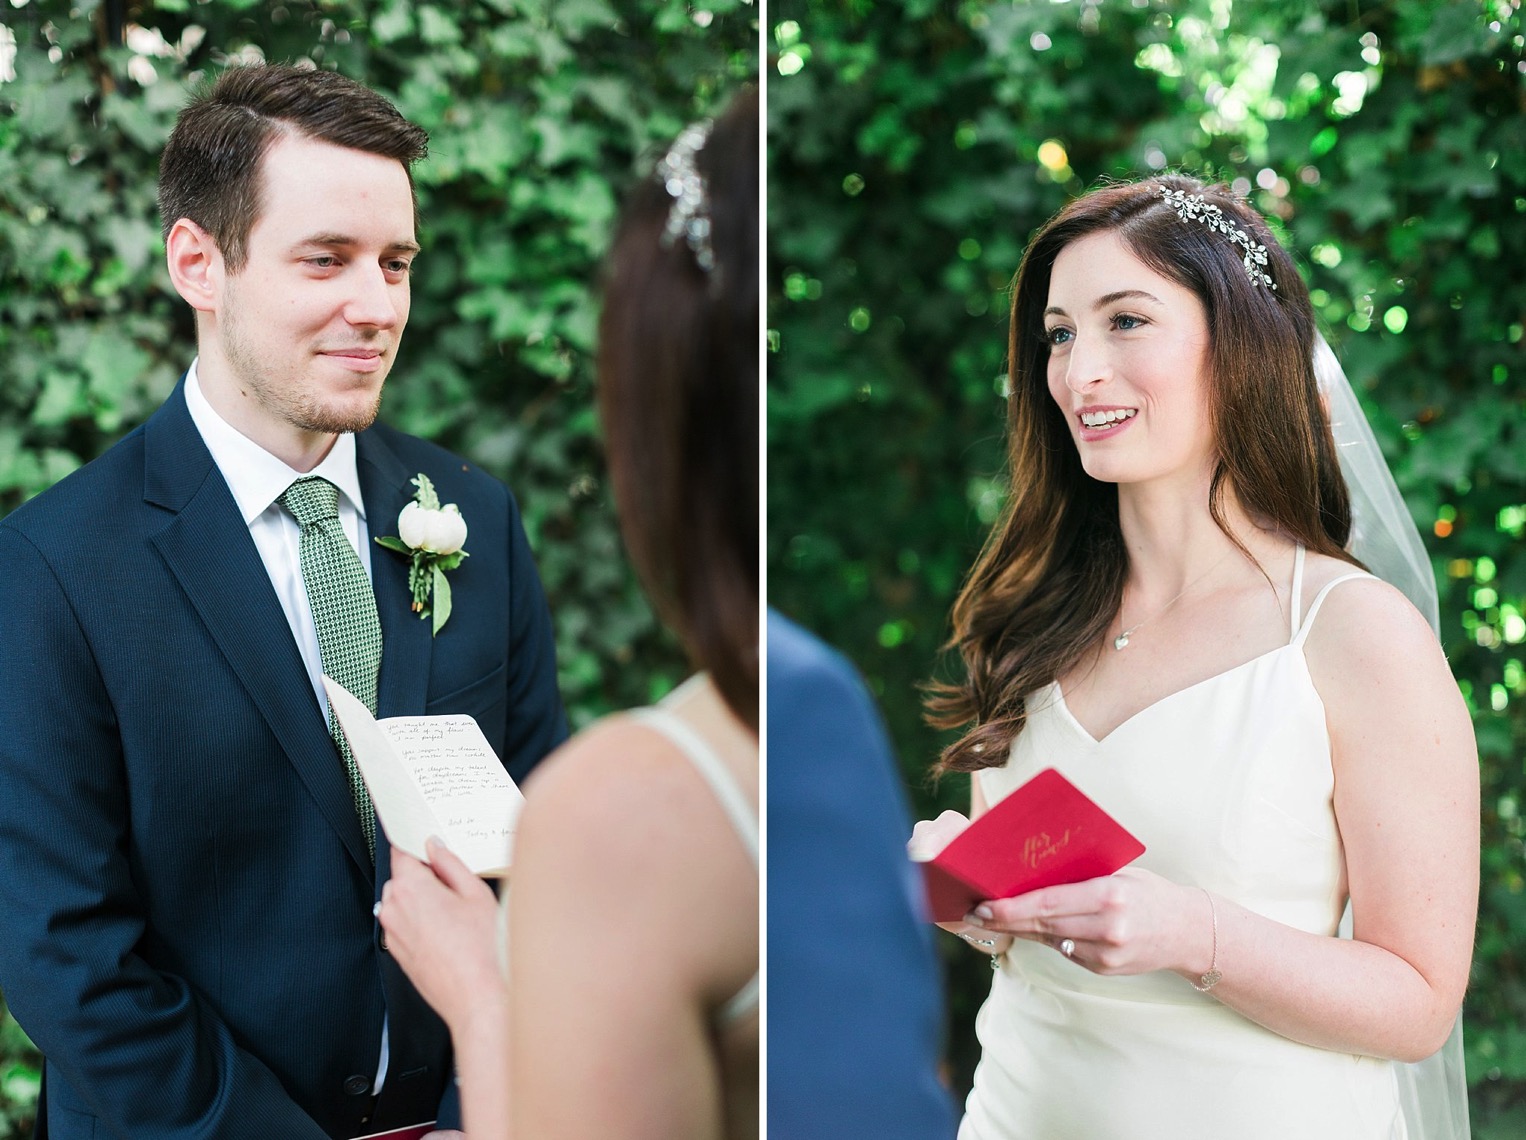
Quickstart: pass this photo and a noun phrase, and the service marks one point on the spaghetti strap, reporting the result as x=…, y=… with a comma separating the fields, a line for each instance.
x=1296, y=600
x=741, y=1003
x=744, y=820
x=1319, y=598
x=743, y=817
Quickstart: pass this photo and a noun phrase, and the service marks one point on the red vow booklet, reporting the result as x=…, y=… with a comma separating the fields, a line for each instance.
x=1045, y=833
x=412, y=1132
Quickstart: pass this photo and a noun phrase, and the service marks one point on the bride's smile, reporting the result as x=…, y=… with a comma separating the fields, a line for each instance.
x=1107, y=417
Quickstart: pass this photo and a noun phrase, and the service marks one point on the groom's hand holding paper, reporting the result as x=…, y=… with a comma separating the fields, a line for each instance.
x=1045, y=833
x=433, y=775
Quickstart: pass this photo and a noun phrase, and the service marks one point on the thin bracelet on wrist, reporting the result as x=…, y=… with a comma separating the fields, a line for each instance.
x=988, y=945
x=1212, y=978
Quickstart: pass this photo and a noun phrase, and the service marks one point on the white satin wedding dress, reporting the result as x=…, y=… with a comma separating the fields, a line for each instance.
x=1229, y=785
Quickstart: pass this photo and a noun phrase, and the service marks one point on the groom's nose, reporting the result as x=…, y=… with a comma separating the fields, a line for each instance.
x=374, y=301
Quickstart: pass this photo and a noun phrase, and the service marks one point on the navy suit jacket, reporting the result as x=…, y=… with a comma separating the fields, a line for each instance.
x=185, y=892
x=855, y=1003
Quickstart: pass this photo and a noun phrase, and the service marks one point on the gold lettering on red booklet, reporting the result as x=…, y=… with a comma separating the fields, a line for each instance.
x=1043, y=846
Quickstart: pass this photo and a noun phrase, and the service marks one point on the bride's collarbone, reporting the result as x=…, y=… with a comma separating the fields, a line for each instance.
x=1112, y=686
x=1205, y=636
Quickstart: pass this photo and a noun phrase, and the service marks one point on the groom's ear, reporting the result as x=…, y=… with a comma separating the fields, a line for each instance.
x=195, y=264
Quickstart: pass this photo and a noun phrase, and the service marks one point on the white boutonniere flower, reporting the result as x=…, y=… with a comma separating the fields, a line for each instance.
x=432, y=536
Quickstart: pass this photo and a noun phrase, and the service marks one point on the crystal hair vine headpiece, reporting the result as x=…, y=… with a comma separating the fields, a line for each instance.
x=689, y=215
x=1196, y=208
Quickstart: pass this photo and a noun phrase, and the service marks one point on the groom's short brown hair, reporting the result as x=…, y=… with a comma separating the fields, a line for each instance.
x=210, y=169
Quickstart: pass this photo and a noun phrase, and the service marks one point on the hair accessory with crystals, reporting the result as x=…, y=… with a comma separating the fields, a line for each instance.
x=1196, y=208
x=689, y=215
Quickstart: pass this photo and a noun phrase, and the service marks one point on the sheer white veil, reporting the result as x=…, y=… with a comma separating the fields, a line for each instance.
x=1432, y=1093
x=1383, y=535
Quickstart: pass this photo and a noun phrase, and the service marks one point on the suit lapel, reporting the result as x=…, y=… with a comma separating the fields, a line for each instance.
x=209, y=551
x=403, y=688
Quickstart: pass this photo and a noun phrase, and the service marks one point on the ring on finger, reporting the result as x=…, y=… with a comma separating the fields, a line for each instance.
x=1067, y=947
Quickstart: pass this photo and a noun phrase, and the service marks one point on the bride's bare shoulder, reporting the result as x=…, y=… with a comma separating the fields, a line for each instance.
x=593, y=778
x=1367, y=639
x=619, y=788
x=1364, y=598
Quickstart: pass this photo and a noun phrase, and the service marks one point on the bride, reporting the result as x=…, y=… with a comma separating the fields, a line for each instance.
x=625, y=1002
x=1168, y=613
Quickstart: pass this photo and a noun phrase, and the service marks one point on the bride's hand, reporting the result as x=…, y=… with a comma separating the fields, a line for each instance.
x=928, y=838
x=1131, y=922
x=439, y=921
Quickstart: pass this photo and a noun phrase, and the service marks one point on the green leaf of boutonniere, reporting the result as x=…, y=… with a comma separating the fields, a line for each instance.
x=441, y=599
x=426, y=496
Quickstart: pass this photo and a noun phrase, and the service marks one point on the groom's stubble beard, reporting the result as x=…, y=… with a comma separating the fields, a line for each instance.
x=287, y=396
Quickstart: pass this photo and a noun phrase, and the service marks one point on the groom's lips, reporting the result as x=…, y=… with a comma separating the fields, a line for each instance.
x=356, y=359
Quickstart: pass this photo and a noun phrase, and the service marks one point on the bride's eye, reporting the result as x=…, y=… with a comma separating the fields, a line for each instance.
x=1058, y=335
x=1125, y=322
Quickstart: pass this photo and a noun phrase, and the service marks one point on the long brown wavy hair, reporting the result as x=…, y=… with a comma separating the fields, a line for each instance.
x=1049, y=580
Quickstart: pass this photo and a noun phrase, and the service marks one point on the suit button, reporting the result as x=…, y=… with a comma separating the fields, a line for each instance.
x=356, y=1085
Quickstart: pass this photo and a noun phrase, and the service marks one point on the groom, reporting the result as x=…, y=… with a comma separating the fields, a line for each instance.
x=187, y=871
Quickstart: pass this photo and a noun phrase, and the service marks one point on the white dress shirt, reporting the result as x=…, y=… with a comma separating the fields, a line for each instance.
x=258, y=480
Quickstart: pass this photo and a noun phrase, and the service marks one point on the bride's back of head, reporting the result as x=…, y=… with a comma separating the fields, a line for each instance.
x=678, y=394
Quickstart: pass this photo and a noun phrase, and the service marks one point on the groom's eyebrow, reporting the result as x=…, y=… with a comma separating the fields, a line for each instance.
x=346, y=241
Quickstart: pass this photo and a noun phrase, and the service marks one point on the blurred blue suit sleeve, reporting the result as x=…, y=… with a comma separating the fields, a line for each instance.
x=854, y=996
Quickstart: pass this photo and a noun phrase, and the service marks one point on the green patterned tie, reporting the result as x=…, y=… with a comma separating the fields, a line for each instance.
x=344, y=610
